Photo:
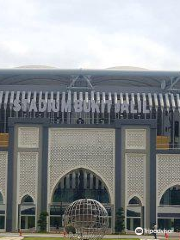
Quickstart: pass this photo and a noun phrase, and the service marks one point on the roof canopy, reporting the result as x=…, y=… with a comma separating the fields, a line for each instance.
x=98, y=80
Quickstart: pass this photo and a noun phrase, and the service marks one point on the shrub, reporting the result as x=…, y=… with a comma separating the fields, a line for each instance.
x=42, y=222
x=119, y=224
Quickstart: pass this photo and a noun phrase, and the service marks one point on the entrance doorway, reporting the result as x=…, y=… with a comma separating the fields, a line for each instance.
x=134, y=216
x=77, y=184
x=27, y=214
x=169, y=209
x=169, y=224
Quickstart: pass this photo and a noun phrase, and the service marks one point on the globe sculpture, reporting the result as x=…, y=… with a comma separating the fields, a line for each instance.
x=86, y=219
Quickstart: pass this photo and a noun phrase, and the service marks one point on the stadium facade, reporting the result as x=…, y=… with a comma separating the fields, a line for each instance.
x=109, y=135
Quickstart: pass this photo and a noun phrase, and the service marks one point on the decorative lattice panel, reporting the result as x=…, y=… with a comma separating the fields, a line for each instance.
x=89, y=148
x=28, y=137
x=28, y=172
x=135, y=176
x=3, y=172
x=135, y=138
x=168, y=172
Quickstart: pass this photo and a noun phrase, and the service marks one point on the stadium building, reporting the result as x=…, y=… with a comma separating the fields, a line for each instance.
x=110, y=135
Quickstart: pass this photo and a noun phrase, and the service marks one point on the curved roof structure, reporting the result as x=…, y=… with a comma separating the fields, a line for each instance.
x=24, y=89
x=99, y=80
x=128, y=68
x=35, y=67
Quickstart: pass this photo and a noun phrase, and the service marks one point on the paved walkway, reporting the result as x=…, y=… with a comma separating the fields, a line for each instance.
x=15, y=236
x=11, y=238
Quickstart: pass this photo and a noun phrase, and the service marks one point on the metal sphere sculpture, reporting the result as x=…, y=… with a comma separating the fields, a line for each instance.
x=86, y=219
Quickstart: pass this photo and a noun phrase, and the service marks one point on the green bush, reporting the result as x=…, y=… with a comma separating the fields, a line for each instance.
x=42, y=222
x=119, y=223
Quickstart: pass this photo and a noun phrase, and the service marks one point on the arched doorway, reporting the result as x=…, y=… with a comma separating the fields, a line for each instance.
x=27, y=213
x=77, y=184
x=169, y=209
x=134, y=214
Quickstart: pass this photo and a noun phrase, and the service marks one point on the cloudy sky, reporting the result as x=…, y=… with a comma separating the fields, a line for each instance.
x=90, y=33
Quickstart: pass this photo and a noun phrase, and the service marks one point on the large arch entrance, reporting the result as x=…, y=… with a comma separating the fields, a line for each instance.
x=169, y=209
x=77, y=184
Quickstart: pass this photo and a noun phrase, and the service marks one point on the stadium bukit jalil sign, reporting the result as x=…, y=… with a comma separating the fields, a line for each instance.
x=79, y=106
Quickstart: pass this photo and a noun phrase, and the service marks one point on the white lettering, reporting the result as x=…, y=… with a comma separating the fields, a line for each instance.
x=66, y=106
x=17, y=106
x=24, y=105
x=145, y=110
x=117, y=107
x=78, y=106
x=95, y=107
x=124, y=107
x=132, y=108
x=42, y=105
x=33, y=106
x=87, y=106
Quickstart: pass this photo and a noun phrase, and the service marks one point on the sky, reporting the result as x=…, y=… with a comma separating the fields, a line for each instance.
x=90, y=33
